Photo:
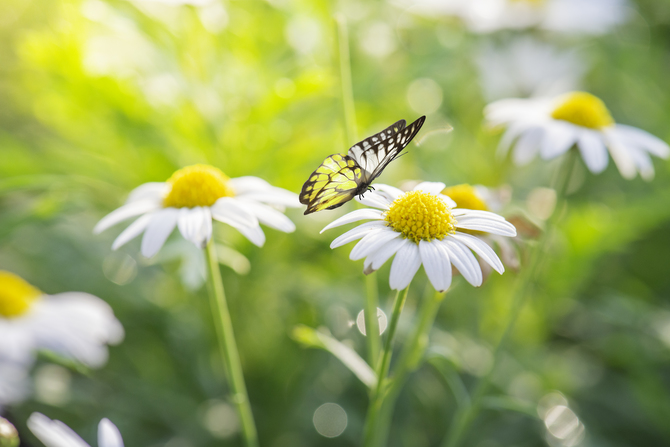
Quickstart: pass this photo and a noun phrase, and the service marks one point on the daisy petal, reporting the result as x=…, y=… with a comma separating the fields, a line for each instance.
x=436, y=264
x=623, y=160
x=430, y=187
x=372, y=242
x=54, y=433
x=463, y=259
x=405, y=265
x=126, y=212
x=503, y=228
x=528, y=145
x=108, y=434
x=227, y=210
x=593, y=150
x=276, y=196
x=254, y=233
x=269, y=216
x=390, y=190
x=376, y=199
x=476, y=213
x=246, y=184
x=195, y=224
x=558, y=139
x=134, y=229
x=357, y=233
x=353, y=216
x=377, y=259
x=161, y=225
x=154, y=191
x=644, y=140
x=482, y=249
x=449, y=201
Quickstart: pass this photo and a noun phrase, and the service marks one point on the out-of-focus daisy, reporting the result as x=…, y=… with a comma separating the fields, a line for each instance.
x=525, y=67
x=56, y=434
x=9, y=437
x=551, y=126
x=566, y=16
x=421, y=227
x=73, y=324
x=190, y=199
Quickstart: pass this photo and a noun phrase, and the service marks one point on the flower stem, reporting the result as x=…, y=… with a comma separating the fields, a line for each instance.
x=377, y=396
x=467, y=414
x=228, y=347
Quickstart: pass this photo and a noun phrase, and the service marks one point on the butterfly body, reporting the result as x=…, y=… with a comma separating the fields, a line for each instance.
x=341, y=177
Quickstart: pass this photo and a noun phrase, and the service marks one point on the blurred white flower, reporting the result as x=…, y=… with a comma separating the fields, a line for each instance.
x=14, y=383
x=551, y=126
x=56, y=434
x=527, y=67
x=567, y=16
x=74, y=324
x=421, y=227
x=190, y=199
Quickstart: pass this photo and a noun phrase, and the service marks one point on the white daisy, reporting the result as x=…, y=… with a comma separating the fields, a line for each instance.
x=421, y=227
x=14, y=383
x=9, y=437
x=56, y=434
x=566, y=16
x=74, y=324
x=526, y=67
x=190, y=199
x=551, y=126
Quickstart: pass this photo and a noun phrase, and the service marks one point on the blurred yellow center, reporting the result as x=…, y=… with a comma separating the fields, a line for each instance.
x=16, y=295
x=197, y=185
x=420, y=216
x=466, y=197
x=583, y=109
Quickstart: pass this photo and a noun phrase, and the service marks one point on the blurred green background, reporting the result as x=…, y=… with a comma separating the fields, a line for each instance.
x=99, y=96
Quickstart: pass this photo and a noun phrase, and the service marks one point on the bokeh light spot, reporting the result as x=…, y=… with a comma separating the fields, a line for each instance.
x=330, y=420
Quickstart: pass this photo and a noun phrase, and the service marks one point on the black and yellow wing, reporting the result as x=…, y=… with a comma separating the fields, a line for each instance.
x=332, y=184
x=375, y=153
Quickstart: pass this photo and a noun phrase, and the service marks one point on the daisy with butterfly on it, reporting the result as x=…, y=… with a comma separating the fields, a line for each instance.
x=190, y=200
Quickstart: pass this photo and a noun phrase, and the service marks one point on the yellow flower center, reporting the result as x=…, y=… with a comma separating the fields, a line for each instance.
x=420, y=216
x=197, y=185
x=583, y=109
x=466, y=197
x=16, y=295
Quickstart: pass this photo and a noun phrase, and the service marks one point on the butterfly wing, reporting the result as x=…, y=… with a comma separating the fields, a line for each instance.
x=332, y=184
x=374, y=153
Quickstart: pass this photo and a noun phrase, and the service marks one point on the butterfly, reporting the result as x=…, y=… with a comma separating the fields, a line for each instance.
x=341, y=177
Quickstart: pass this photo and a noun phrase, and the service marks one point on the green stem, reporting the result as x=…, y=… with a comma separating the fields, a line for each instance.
x=466, y=415
x=371, y=319
x=377, y=397
x=231, y=357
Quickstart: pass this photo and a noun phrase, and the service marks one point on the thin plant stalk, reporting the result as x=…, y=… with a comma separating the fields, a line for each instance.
x=377, y=396
x=408, y=362
x=351, y=134
x=466, y=415
x=228, y=347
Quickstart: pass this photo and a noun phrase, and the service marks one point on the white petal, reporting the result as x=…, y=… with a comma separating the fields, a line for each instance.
x=430, y=187
x=482, y=249
x=644, y=140
x=227, y=210
x=254, y=234
x=108, y=434
x=512, y=132
x=269, y=216
x=436, y=264
x=528, y=145
x=126, y=212
x=558, y=139
x=449, y=201
x=54, y=433
x=463, y=259
x=392, y=191
x=405, y=265
x=195, y=224
x=354, y=216
x=502, y=228
x=357, y=233
x=161, y=225
x=134, y=229
x=620, y=154
x=372, y=242
x=246, y=184
x=154, y=191
x=375, y=199
x=377, y=259
x=593, y=150
x=463, y=212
